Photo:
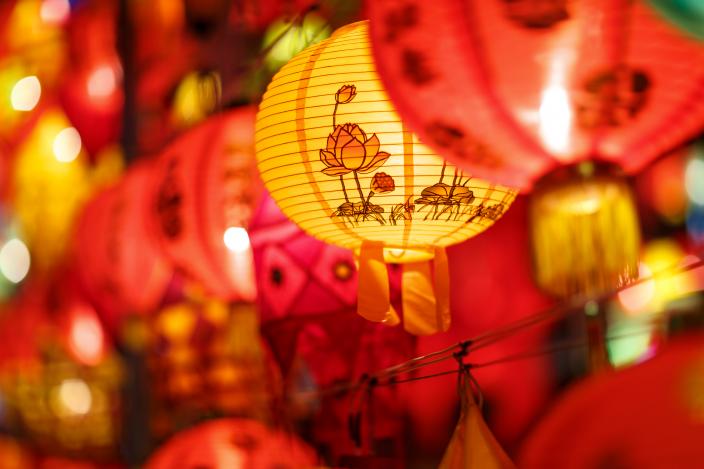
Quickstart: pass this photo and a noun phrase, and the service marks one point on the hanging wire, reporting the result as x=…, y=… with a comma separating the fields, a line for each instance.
x=389, y=376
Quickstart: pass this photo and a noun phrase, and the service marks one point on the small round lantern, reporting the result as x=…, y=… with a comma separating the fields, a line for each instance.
x=608, y=83
x=206, y=189
x=233, y=444
x=119, y=278
x=341, y=164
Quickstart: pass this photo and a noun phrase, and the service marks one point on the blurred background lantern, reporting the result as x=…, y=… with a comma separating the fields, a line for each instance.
x=650, y=415
x=326, y=125
x=307, y=299
x=233, y=444
x=286, y=39
x=206, y=190
x=196, y=97
x=49, y=185
x=61, y=379
x=205, y=358
x=119, y=279
x=624, y=93
x=258, y=14
x=92, y=94
x=34, y=36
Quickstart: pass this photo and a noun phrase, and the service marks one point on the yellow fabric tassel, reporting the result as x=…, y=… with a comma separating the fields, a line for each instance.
x=585, y=235
x=426, y=296
x=373, y=301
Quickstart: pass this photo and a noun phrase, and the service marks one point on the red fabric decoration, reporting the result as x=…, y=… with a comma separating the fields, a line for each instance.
x=206, y=183
x=119, y=263
x=648, y=416
x=233, y=444
x=511, y=89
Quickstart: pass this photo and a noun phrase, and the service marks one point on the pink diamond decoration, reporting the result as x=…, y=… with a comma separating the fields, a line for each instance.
x=281, y=281
x=336, y=272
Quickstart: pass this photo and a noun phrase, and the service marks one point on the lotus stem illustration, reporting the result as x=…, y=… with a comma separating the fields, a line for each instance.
x=350, y=150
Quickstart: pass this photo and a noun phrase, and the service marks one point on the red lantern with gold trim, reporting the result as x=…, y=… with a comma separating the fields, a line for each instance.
x=206, y=189
x=512, y=90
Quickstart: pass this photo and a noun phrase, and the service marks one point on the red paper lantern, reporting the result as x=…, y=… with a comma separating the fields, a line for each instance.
x=233, y=444
x=511, y=90
x=119, y=263
x=91, y=94
x=206, y=189
x=648, y=416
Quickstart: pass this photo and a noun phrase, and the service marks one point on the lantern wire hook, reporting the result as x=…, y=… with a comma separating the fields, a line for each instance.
x=466, y=382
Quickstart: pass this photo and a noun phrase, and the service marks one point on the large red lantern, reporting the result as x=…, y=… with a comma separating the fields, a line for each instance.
x=647, y=416
x=514, y=90
x=119, y=263
x=206, y=188
x=233, y=444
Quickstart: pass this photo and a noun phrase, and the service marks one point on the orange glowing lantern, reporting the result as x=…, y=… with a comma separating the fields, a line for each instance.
x=205, y=193
x=50, y=183
x=119, y=278
x=342, y=165
x=648, y=416
x=604, y=81
x=233, y=444
x=60, y=378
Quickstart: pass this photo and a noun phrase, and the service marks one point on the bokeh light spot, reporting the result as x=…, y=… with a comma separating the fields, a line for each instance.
x=14, y=260
x=236, y=239
x=26, y=93
x=67, y=145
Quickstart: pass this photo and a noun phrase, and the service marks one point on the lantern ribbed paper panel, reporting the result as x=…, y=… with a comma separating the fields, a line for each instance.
x=206, y=186
x=340, y=163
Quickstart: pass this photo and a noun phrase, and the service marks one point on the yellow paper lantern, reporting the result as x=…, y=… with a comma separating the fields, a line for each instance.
x=50, y=183
x=340, y=163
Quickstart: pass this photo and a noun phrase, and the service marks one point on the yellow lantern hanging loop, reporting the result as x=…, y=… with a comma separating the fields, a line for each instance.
x=341, y=164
